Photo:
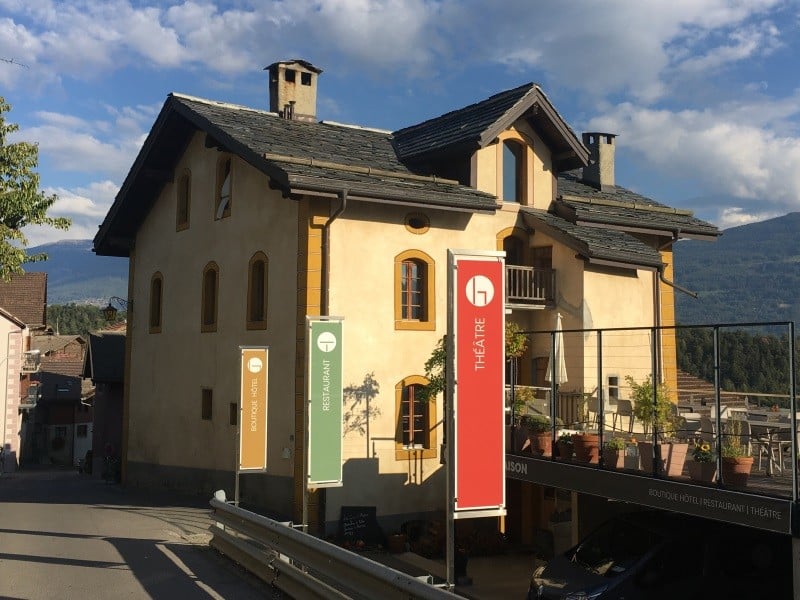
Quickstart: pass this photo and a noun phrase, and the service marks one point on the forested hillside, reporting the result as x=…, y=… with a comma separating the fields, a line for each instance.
x=752, y=273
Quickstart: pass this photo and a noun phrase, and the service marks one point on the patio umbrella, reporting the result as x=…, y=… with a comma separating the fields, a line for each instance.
x=560, y=364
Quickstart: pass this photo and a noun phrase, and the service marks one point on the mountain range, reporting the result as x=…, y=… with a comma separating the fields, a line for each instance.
x=77, y=275
x=750, y=274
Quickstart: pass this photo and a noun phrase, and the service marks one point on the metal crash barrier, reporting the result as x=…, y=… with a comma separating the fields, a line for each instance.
x=304, y=566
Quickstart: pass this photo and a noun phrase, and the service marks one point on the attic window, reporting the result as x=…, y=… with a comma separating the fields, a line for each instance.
x=289, y=75
x=305, y=78
x=417, y=223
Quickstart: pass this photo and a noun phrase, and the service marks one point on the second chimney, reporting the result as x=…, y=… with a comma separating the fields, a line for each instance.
x=600, y=172
x=293, y=89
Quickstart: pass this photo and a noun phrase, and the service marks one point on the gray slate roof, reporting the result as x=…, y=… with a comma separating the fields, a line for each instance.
x=477, y=125
x=583, y=203
x=596, y=244
x=105, y=358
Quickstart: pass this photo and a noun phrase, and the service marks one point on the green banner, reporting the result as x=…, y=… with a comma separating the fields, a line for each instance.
x=324, y=402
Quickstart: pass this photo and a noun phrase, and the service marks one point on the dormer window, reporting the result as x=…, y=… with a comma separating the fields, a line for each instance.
x=513, y=153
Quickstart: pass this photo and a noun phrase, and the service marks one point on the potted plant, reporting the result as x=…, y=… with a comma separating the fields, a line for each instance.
x=658, y=416
x=539, y=432
x=736, y=462
x=614, y=453
x=703, y=466
x=587, y=446
x=564, y=445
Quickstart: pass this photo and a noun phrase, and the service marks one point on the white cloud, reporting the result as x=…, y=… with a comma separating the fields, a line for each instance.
x=85, y=206
x=735, y=216
x=749, y=158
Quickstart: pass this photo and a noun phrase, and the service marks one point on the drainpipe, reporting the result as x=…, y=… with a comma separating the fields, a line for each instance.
x=326, y=269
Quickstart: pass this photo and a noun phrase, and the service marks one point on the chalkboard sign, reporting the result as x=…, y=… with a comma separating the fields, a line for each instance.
x=359, y=523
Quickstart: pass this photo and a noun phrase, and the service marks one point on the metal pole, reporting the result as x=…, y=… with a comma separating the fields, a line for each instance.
x=793, y=409
x=718, y=420
x=600, y=398
x=306, y=401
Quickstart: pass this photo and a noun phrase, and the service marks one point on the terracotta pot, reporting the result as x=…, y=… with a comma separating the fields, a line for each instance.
x=673, y=457
x=736, y=471
x=564, y=450
x=702, y=471
x=541, y=443
x=613, y=459
x=587, y=447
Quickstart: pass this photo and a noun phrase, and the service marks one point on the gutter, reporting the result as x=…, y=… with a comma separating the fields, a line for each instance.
x=326, y=251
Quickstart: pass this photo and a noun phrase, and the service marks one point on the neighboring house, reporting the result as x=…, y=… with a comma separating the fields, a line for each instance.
x=23, y=305
x=105, y=367
x=239, y=223
x=62, y=422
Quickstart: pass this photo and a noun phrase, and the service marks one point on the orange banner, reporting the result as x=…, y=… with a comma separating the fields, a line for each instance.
x=253, y=410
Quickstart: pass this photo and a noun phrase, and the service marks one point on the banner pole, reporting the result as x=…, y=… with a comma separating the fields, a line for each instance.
x=450, y=424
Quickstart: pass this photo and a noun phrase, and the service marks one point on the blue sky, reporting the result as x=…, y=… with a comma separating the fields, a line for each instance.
x=703, y=94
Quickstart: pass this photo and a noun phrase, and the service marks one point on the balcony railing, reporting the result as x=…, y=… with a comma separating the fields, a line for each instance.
x=530, y=286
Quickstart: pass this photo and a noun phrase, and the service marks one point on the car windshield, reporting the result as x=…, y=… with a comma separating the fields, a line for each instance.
x=614, y=548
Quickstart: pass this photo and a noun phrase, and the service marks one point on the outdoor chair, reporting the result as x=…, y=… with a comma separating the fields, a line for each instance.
x=707, y=429
x=624, y=409
x=592, y=408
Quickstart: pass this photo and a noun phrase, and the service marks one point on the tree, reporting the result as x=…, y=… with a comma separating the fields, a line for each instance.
x=22, y=203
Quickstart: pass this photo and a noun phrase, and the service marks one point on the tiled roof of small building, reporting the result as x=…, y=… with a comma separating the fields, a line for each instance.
x=582, y=203
x=53, y=343
x=25, y=297
x=596, y=244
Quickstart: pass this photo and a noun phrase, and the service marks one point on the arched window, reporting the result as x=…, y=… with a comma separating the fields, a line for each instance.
x=416, y=419
x=209, y=301
x=414, y=291
x=257, y=285
x=512, y=171
x=184, y=193
x=156, y=302
x=224, y=194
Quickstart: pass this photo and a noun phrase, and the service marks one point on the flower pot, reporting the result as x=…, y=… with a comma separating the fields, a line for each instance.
x=541, y=443
x=564, y=450
x=587, y=447
x=613, y=459
x=702, y=471
x=736, y=470
x=673, y=457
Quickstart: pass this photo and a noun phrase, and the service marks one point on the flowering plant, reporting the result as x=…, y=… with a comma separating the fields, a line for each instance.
x=702, y=452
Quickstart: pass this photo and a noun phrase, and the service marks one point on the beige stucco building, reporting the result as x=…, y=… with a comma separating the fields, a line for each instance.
x=239, y=223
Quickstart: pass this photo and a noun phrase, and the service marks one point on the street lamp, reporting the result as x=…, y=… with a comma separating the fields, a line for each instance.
x=110, y=311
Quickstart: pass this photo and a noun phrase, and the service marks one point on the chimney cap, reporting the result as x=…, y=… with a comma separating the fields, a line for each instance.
x=294, y=61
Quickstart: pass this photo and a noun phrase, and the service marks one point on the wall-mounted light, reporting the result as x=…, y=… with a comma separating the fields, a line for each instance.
x=110, y=311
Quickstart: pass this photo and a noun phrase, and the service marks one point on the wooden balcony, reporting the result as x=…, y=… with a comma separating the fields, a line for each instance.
x=530, y=288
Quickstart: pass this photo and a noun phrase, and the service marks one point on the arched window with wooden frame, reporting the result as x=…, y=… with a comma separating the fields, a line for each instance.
x=224, y=188
x=257, y=287
x=414, y=293
x=183, y=201
x=415, y=416
x=156, y=302
x=210, y=298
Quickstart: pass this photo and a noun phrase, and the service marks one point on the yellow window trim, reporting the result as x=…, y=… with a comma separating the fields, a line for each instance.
x=429, y=324
x=402, y=452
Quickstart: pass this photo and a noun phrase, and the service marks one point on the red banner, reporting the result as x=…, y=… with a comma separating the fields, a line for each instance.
x=479, y=394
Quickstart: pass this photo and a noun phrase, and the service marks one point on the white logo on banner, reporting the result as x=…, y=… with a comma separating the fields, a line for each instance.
x=480, y=290
x=254, y=365
x=326, y=341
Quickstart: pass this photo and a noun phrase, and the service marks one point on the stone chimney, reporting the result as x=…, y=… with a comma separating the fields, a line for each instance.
x=600, y=172
x=293, y=89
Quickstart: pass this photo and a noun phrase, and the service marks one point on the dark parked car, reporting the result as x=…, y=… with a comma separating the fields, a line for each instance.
x=655, y=555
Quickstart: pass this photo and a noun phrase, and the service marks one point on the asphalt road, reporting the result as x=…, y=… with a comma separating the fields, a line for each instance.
x=65, y=535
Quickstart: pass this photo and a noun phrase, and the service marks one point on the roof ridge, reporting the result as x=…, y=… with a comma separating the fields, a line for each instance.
x=632, y=205
x=493, y=97
x=230, y=105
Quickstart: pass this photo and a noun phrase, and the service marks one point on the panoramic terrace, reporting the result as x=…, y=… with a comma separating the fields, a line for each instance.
x=727, y=453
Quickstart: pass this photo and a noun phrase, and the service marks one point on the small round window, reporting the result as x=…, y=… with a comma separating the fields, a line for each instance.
x=417, y=223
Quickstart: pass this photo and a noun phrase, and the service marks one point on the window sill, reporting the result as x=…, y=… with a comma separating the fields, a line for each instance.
x=415, y=325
